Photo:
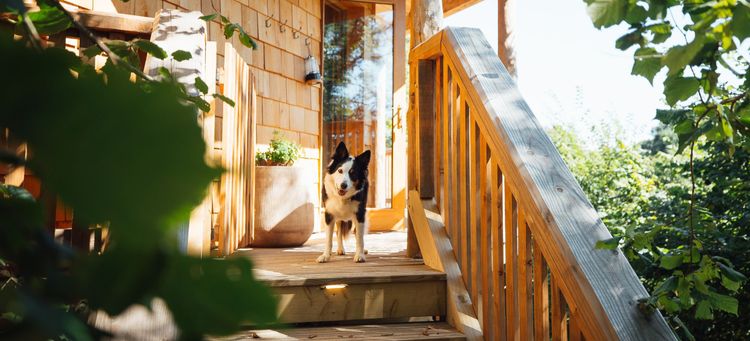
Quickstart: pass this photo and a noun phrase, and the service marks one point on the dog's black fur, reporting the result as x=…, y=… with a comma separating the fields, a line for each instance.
x=344, y=195
x=358, y=175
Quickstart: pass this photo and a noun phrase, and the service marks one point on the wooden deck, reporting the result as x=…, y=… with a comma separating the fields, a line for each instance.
x=386, y=262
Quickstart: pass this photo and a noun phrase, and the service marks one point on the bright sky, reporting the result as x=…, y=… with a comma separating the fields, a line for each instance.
x=569, y=72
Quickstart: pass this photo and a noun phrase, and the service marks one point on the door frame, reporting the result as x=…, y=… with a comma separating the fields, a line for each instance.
x=392, y=218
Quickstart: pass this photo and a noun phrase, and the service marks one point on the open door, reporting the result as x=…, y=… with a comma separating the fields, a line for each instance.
x=362, y=47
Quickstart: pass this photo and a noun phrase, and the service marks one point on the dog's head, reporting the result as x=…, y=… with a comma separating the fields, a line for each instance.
x=349, y=173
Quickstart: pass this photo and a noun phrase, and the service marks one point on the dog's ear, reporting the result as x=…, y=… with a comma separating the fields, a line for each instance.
x=341, y=152
x=364, y=158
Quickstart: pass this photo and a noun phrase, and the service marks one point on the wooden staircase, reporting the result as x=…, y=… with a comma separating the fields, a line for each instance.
x=390, y=297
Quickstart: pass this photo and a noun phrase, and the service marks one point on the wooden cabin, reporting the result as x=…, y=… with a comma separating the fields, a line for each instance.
x=478, y=230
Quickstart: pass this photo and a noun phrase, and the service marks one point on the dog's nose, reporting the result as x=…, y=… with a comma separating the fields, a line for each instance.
x=343, y=185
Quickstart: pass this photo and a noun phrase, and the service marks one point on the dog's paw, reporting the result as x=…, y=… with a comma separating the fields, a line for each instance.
x=340, y=252
x=359, y=258
x=324, y=258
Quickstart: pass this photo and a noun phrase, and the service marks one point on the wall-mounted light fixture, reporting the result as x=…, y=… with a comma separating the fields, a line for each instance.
x=312, y=72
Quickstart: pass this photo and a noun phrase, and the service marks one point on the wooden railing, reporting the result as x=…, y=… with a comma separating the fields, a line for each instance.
x=521, y=228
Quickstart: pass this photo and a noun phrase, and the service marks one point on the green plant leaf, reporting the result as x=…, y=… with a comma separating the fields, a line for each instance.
x=605, y=13
x=608, y=244
x=741, y=20
x=218, y=312
x=209, y=17
x=181, y=55
x=229, y=30
x=92, y=51
x=150, y=48
x=731, y=273
x=724, y=303
x=666, y=286
x=246, y=40
x=630, y=39
x=703, y=310
x=49, y=20
x=670, y=262
x=224, y=99
x=647, y=63
x=201, y=85
x=680, y=56
x=678, y=88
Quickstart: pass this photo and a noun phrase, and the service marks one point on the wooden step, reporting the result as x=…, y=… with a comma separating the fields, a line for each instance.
x=399, y=332
x=388, y=286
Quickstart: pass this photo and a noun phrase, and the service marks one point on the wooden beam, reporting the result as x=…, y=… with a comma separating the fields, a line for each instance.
x=115, y=22
x=454, y=6
x=460, y=313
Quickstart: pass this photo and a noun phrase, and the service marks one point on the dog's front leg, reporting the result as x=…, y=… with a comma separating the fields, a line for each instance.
x=340, y=236
x=360, y=229
x=326, y=256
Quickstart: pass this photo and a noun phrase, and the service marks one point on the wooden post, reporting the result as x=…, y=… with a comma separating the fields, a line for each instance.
x=504, y=35
x=426, y=20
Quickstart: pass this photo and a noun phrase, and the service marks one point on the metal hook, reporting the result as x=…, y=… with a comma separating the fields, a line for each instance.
x=268, y=21
x=295, y=34
x=282, y=29
x=307, y=42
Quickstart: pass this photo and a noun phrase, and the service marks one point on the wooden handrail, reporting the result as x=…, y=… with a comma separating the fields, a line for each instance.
x=522, y=229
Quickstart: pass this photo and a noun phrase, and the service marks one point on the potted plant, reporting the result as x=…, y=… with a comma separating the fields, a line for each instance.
x=284, y=193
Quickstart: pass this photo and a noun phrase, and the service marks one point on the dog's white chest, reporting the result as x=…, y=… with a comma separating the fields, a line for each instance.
x=341, y=209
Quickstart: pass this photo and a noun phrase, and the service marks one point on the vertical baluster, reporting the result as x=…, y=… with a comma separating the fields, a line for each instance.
x=559, y=318
x=447, y=173
x=474, y=206
x=525, y=301
x=484, y=235
x=511, y=262
x=498, y=264
x=541, y=295
x=437, y=143
x=575, y=328
x=455, y=214
x=463, y=178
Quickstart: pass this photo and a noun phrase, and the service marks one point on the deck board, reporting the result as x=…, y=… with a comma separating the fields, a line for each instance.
x=403, y=331
x=386, y=262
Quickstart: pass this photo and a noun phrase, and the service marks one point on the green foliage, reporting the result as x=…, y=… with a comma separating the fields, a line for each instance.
x=709, y=121
x=231, y=28
x=643, y=195
x=281, y=152
x=126, y=154
x=698, y=68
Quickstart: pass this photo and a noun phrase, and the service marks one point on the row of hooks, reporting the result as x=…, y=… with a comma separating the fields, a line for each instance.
x=284, y=25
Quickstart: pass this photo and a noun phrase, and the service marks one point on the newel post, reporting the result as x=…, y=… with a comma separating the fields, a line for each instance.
x=426, y=20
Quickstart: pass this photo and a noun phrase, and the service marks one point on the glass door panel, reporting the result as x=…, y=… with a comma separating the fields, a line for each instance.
x=358, y=88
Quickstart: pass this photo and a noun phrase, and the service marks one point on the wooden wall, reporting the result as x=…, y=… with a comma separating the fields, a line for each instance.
x=285, y=103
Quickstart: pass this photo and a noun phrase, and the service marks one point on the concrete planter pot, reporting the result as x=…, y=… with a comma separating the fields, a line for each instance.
x=284, y=210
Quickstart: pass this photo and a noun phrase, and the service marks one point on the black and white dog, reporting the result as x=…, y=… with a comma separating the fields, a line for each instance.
x=345, y=200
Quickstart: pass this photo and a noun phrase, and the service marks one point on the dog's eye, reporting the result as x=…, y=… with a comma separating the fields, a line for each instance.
x=341, y=171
